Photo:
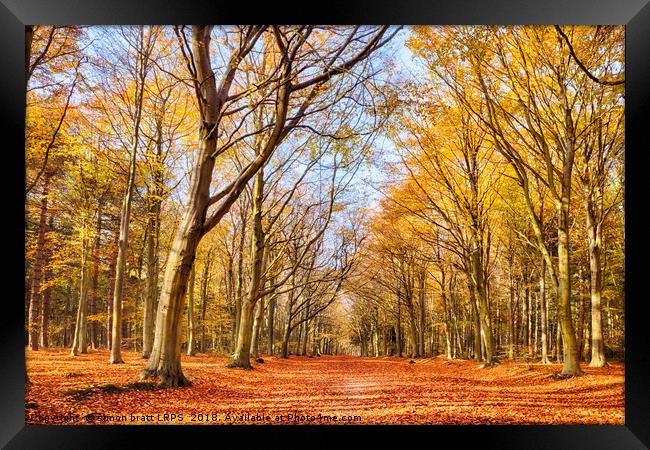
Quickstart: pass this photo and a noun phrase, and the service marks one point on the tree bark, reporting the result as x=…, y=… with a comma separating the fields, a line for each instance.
x=570, y=355
x=190, y=317
x=94, y=325
x=45, y=310
x=421, y=316
x=79, y=341
x=151, y=293
x=111, y=288
x=305, y=336
x=544, y=311
x=29, y=35
x=447, y=312
x=125, y=214
x=37, y=273
x=398, y=331
x=581, y=315
x=240, y=276
x=483, y=307
x=241, y=356
x=594, y=233
x=204, y=298
x=270, y=350
x=257, y=329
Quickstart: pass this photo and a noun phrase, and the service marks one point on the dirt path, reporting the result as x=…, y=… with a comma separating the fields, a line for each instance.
x=313, y=390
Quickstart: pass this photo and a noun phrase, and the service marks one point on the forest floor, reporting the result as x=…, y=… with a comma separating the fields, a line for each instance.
x=303, y=390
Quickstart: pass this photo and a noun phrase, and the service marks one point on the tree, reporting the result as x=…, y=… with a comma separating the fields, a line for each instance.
x=214, y=104
x=142, y=42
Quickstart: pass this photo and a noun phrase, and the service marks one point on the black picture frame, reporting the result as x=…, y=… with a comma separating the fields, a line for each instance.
x=635, y=14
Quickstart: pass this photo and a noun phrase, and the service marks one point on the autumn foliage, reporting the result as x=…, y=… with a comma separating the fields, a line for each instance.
x=401, y=224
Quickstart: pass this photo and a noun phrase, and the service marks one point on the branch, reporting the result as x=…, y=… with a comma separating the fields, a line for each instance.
x=582, y=66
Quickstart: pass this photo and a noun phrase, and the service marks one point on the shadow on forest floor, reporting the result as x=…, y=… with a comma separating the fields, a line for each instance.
x=85, y=392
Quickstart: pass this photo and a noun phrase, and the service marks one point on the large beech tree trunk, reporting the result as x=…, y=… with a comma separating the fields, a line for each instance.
x=164, y=361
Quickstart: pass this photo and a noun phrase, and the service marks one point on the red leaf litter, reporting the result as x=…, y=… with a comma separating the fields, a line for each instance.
x=321, y=390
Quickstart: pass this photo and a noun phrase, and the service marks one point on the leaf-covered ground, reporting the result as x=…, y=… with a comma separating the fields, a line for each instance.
x=86, y=389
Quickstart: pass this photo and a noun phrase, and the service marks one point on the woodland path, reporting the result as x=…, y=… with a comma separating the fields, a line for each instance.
x=380, y=390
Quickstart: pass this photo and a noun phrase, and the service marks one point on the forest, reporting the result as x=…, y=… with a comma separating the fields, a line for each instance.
x=413, y=209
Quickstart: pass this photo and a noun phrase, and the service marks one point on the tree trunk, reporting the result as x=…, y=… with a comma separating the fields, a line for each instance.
x=447, y=312
x=524, y=316
x=45, y=310
x=570, y=355
x=240, y=277
x=284, y=352
x=29, y=35
x=125, y=213
x=398, y=331
x=190, y=317
x=94, y=325
x=79, y=342
x=305, y=337
x=581, y=315
x=511, y=320
x=120, y=271
x=204, y=298
x=270, y=326
x=594, y=235
x=111, y=288
x=37, y=273
x=287, y=331
x=544, y=311
x=479, y=287
x=529, y=300
x=421, y=316
x=241, y=357
x=165, y=359
x=151, y=293
x=476, y=319
x=257, y=329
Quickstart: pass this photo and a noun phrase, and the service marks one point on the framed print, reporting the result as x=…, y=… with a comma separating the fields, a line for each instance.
x=411, y=219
